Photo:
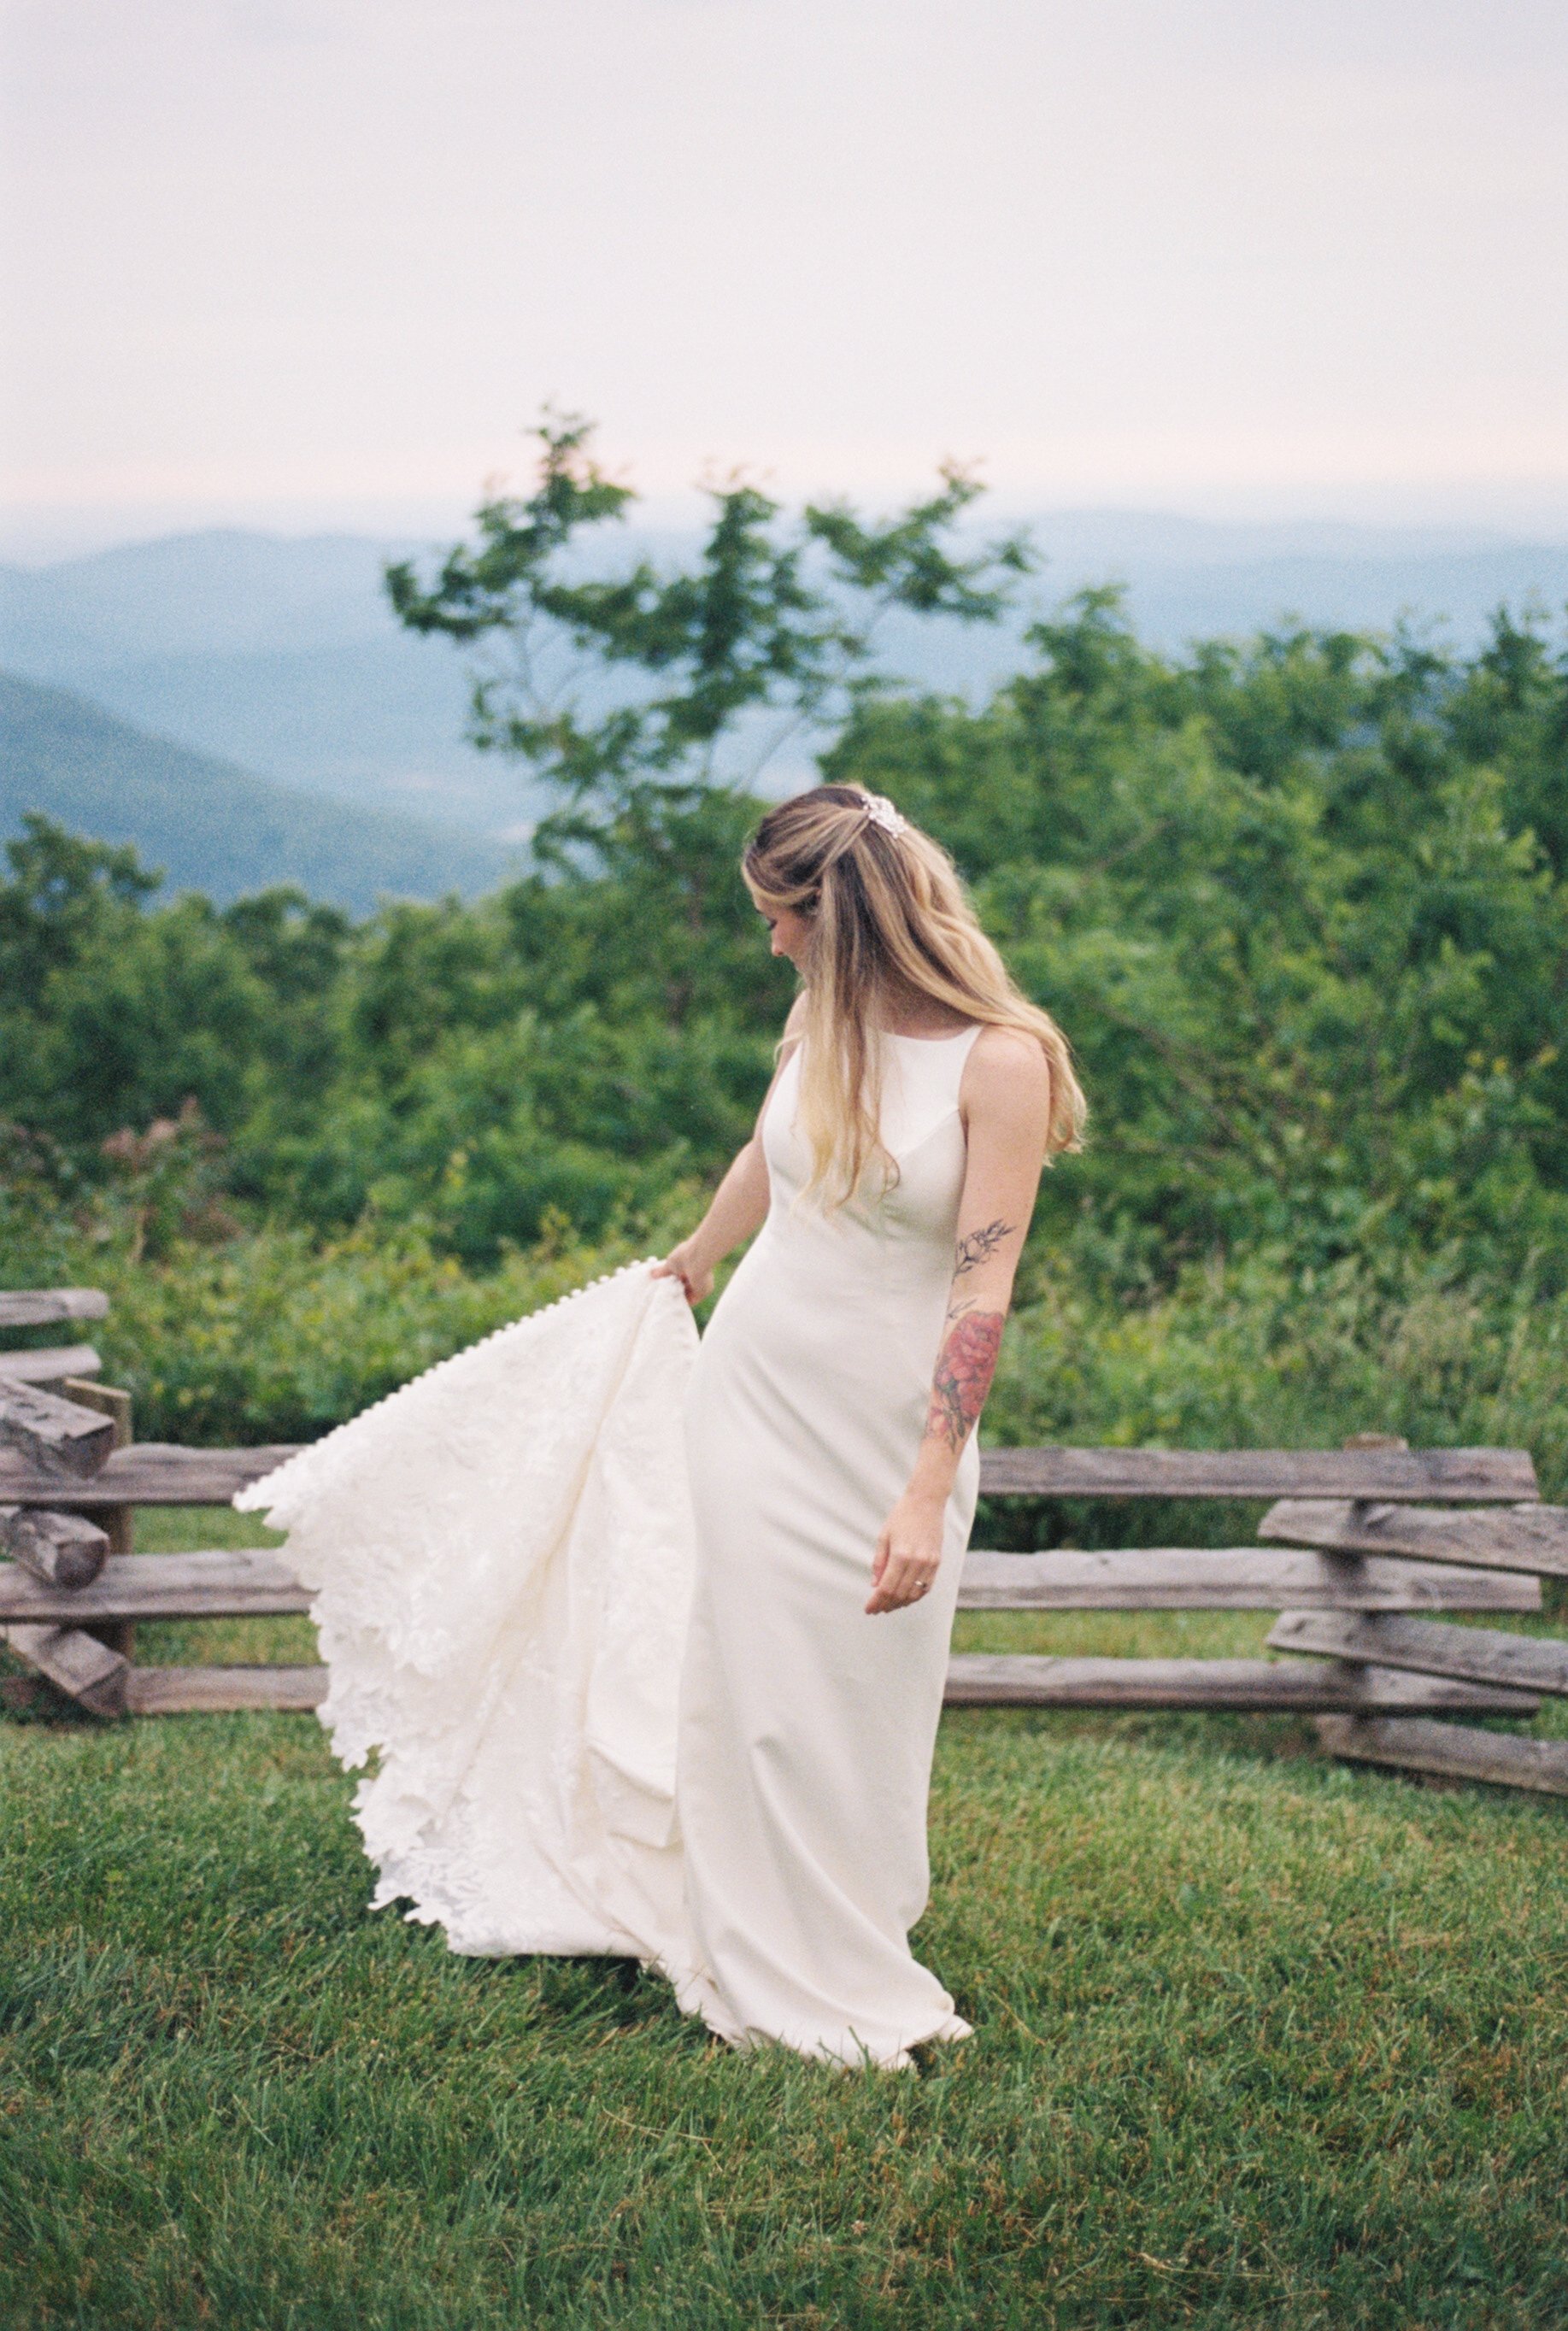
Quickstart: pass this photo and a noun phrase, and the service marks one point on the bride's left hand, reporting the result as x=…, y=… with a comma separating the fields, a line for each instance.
x=683, y=1262
x=908, y=1554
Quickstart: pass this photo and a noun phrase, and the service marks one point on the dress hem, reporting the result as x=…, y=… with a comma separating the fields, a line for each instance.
x=693, y=1994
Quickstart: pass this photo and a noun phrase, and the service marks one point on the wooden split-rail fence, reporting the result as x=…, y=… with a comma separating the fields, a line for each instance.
x=1359, y=1551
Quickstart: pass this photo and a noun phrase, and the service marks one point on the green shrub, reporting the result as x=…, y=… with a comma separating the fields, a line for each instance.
x=278, y=1335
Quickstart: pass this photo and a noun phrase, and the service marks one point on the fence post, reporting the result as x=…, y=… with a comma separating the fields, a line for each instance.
x=117, y=1522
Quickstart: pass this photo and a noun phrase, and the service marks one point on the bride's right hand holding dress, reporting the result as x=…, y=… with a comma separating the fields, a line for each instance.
x=687, y=1263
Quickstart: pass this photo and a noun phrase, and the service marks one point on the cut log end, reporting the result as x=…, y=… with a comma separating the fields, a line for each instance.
x=86, y=1670
x=63, y=1440
x=61, y=1550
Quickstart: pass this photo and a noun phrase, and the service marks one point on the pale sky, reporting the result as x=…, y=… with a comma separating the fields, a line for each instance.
x=313, y=262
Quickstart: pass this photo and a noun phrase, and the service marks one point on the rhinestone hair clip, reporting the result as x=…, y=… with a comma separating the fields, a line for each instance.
x=879, y=810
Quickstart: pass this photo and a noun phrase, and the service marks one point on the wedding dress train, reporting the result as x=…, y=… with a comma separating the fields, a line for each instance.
x=596, y=1596
x=501, y=1558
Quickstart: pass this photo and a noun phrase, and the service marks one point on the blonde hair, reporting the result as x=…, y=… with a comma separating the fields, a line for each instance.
x=889, y=916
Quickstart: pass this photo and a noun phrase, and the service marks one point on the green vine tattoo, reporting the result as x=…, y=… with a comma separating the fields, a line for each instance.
x=979, y=1246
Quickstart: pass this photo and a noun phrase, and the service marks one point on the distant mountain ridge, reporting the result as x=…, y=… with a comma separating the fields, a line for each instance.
x=282, y=654
x=276, y=652
x=223, y=591
x=211, y=826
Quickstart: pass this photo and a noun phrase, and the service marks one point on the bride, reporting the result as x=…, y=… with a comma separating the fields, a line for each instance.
x=662, y=1674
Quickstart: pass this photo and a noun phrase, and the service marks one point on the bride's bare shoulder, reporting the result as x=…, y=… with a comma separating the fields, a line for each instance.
x=1006, y=1069
x=1009, y=1051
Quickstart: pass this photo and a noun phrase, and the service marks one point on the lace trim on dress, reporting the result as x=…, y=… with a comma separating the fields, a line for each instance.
x=499, y=1555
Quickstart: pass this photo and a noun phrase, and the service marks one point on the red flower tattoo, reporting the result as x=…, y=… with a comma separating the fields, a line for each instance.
x=965, y=1367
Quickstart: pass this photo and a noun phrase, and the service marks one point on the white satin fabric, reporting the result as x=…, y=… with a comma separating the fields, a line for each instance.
x=600, y=1610
x=807, y=1727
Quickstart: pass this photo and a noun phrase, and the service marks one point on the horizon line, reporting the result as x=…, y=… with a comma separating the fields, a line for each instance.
x=41, y=536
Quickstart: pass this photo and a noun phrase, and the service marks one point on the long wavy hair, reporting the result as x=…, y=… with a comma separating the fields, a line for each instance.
x=889, y=920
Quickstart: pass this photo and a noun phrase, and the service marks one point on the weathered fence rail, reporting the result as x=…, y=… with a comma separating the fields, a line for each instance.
x=1454, y=1752
x=1386, y=1522
x=1465, y=1476
x=53, y=1368
x=49, y=1307
x=1525, y=1538
x=148, y=1473
x=161, y=1473
x=1302, y=1687
x=1242, y=1578
x=222, y=1585
x=240, y=1585
x=1360, y=1548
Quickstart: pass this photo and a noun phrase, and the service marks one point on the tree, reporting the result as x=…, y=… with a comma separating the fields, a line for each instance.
x=622, y=690
x=63, y=895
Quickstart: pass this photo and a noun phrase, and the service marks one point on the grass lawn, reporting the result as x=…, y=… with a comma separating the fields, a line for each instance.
x=1260, y=2042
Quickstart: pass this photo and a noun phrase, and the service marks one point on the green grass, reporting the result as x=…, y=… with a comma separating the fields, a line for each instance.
x=1261, y=2042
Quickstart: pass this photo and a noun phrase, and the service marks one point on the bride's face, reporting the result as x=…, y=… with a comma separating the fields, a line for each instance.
x=790, y=930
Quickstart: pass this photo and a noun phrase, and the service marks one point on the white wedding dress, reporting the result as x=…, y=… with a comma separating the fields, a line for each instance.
x=596, y=1596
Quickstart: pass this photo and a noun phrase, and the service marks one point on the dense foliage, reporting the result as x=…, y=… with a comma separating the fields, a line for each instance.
x=1299, y=902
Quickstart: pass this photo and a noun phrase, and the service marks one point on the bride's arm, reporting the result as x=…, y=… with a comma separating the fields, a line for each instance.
x=740, y=1203
x=1006, y=1101
x=738, y=1207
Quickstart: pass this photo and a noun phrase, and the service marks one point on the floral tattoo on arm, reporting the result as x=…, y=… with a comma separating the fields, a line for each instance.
x=965, y=1367
x=979, y=1246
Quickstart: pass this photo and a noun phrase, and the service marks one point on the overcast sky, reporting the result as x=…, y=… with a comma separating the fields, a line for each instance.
x=302, y=261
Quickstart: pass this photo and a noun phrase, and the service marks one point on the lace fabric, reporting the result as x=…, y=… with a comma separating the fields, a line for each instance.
x=501, y=1559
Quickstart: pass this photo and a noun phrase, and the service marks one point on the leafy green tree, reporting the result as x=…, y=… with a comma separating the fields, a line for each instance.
x=773, y=617
x=1306, y=939
x=63, y=897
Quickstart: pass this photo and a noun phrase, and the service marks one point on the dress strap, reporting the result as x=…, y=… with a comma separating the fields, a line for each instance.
x=922, y=1075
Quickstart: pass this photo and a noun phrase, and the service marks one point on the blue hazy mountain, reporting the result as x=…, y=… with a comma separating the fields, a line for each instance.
x=211, y=826
x=279, y=652
x=1189, y=579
